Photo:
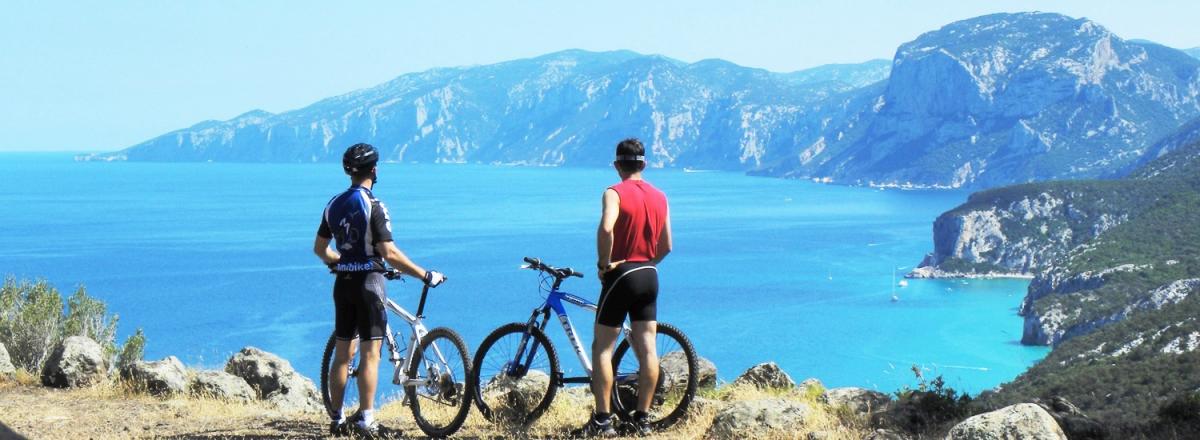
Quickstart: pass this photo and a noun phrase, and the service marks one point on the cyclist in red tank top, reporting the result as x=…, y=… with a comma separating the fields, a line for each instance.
x=633, y=237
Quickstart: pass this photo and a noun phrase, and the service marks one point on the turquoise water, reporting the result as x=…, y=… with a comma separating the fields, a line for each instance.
x=208, y=258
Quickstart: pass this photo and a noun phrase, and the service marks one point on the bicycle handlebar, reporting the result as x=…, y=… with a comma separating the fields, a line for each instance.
x=559, y=273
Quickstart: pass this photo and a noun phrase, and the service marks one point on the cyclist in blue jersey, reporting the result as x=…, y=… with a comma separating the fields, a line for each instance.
x=359, y=226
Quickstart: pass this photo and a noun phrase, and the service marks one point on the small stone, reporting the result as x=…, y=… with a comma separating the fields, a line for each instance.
x=884, y=434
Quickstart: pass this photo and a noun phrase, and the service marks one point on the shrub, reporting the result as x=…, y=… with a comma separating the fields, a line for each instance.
x=33, y=320
x=86, y=316
x=133, y=349
x=928, y=406
x=30, y=321
x=1184, y=409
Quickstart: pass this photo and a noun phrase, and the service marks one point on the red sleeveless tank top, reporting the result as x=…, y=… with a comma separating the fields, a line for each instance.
x=640, y=223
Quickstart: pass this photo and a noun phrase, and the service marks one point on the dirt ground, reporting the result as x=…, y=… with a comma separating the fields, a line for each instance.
x=29, y=411
x=35, y=412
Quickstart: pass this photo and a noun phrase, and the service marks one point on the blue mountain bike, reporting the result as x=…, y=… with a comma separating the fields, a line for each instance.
x=516, y=372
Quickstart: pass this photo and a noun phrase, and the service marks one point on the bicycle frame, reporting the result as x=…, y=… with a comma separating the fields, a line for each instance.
x=401, y=362
x=554, y=302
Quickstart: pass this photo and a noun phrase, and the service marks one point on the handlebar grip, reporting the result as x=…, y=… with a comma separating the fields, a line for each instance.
x=533, y=261
x=576, y=274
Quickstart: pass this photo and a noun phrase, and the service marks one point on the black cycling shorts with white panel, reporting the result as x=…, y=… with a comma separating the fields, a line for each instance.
x=358, y=308
x=629, y=290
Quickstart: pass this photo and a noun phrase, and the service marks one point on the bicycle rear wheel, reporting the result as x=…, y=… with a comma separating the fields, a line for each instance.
x=676, y=378
x=437, y=383
x=513, y=379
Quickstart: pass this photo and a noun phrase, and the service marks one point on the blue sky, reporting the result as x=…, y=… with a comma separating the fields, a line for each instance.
x=94, y=76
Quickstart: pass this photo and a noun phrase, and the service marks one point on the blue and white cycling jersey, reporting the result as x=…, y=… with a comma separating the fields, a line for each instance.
x=356, y=221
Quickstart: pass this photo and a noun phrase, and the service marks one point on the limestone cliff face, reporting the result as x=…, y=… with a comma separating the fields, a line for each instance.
x=1099, y=252
x=1016, y=231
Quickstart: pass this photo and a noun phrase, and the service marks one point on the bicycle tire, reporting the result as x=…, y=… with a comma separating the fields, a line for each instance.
x=625, y=396
x=445, y=387
x=484, y=370
x=326, y=361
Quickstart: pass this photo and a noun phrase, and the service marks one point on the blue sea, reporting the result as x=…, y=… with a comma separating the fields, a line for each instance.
x=210, y=257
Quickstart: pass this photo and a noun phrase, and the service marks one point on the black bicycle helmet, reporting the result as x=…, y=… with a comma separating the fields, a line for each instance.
x=359, y=158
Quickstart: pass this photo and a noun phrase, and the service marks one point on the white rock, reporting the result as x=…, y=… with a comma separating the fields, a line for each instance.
x=1024, y=421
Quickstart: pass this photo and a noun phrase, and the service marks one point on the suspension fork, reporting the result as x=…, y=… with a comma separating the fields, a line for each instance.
x=517, y=368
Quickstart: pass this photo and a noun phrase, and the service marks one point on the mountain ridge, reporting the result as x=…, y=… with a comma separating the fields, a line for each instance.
x=988, y=101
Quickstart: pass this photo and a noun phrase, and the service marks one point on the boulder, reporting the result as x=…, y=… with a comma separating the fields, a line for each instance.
x=674, y=369
x=296, y=394
x=1076, y=424
x=221, y=385
x=766, y=376
x=6, y=367
x=275, y=380
x=758, y=419
x=859, y=400
x=76, y=361
x=262, y=370
x=509, y=397
x=1025, y=421
x=164, y=377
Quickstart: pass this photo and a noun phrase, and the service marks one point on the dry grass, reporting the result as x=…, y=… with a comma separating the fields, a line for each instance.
x=112, y=410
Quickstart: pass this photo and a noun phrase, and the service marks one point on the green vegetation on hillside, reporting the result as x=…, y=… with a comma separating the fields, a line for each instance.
x=1131, y=370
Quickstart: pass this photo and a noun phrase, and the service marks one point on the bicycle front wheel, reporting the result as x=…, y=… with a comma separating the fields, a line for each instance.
x=513, y=379
x=350, y=391
x=436, y=385
x=676, y=378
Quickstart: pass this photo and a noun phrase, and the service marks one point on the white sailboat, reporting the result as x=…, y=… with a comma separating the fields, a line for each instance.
x=902, y=283
x=894, y=297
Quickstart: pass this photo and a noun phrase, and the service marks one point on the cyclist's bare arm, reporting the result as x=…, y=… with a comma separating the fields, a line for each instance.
x=324, y=252
x=393, y=255
x=664, y=240
x=611, y=209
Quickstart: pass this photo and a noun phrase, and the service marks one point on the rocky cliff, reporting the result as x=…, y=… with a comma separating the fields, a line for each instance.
x=1010, y=98
x=1116, y=268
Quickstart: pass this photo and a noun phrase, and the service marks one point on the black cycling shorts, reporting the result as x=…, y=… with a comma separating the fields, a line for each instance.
x=630, y=289
x=358, y=306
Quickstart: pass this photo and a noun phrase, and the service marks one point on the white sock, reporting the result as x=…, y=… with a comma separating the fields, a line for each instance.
x=368, y=417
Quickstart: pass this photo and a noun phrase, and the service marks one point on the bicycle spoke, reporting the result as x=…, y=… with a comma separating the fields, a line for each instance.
x=513, y=387
x=437, y=383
